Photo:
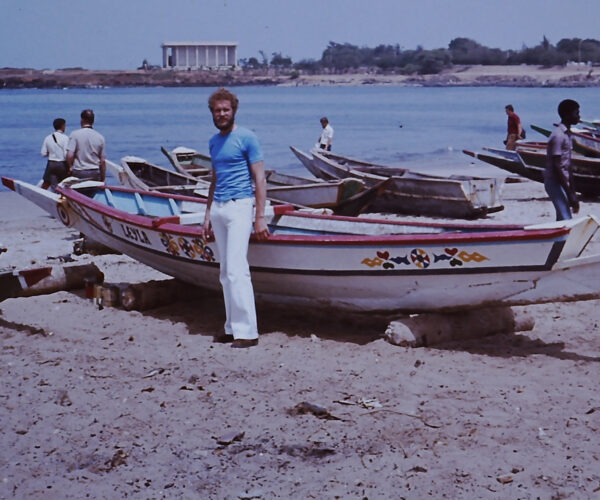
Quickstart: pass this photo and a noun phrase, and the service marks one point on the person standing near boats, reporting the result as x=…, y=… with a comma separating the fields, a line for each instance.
x=558, y=175
x=86, y=155
x=232, y=204
x=54, y=148
x=514, y=128
x=326, y=137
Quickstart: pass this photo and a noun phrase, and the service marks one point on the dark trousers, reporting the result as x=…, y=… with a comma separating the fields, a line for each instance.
x=55, y=172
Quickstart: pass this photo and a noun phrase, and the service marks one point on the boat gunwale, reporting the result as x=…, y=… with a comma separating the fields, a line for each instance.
x=504, y=233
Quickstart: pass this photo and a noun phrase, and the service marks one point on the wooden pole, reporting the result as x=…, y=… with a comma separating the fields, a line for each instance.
x=62, y=278
x=434, y=328
x=155, y=293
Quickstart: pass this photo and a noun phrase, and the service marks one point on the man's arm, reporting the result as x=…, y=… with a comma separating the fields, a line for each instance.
x=70, y=159
x=566, y=182
x=211, y=194
x=102, y=162
x=260, y=224
x=71, y=147
x=102, y=167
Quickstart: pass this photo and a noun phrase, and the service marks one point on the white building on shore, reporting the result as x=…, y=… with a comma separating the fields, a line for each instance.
x=199, y=55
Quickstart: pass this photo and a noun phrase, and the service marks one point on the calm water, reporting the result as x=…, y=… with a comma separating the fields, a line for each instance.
x=419, y=128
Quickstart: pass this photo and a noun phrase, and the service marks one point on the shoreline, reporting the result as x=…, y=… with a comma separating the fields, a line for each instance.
x=458, y=76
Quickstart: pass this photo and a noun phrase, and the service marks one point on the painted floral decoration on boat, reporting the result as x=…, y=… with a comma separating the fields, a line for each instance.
x=421, y=258
x=203, y=250
x=196, y=248
x=170, y=244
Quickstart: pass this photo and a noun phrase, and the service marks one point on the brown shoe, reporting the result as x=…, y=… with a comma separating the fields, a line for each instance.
x=243, y=343
x=223, y=339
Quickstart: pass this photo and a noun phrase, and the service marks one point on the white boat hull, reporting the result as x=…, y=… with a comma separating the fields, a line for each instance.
x=387, y=273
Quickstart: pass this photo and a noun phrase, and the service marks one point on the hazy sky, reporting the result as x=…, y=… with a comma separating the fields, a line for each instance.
x=119, y=34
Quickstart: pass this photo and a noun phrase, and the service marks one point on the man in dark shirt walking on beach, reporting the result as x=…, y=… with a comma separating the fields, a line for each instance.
x=514, y=128
x=558, y=175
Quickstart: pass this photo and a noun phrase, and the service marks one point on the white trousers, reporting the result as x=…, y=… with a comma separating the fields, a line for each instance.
x=232, y=225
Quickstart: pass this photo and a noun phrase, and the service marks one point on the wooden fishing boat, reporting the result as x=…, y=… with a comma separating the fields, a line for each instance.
x=344, y=197
x=188, y=161
x=591, y=125
x=530, y=166
x=510, y=162
x=14, y=283
x=307, y=161
x=137, y=173
x=410, y=192
x=537, y=157
x=346, y=263
x=585, y=144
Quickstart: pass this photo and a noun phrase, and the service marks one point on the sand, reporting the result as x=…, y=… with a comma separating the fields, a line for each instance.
x=115, y=404
x=474, y=75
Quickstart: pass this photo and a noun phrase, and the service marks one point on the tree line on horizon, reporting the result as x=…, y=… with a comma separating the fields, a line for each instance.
x=345, y=57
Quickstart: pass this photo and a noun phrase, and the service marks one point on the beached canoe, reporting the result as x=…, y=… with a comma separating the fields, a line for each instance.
x=410, y=192
x=137, y=173
x=537, y=157
x=587, y=182
x=188, y=161
x=583, y=143
x=346, y=263
x=343, y=197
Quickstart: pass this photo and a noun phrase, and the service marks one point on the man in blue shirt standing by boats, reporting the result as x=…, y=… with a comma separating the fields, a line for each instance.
x=236, y=158
x=558, y=175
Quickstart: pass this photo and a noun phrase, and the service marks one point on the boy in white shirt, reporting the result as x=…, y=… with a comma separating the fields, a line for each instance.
x=326, y=135
x=55, y=148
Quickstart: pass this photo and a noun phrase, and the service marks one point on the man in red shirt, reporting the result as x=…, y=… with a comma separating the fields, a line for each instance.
x=514, y=128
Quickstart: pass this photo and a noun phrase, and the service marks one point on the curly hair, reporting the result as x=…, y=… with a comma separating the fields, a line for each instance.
x=223, y=94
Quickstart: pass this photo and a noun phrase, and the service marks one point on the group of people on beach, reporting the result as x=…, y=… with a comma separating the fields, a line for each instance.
x=81, y=155
x=237, y=195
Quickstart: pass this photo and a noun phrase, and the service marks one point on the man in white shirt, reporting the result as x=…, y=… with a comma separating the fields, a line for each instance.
x=326, y=135
x=86, y=155
x=54, y=148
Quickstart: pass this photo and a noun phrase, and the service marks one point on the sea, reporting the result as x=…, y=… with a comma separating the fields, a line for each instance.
x=424, y=129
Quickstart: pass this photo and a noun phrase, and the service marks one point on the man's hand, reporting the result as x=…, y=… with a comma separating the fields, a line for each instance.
x=206, y=230
x=260, y=228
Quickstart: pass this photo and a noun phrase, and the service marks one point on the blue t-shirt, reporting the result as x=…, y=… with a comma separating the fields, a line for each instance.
x=231, y=157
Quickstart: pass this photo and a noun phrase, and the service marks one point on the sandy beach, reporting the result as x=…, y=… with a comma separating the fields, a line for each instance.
x=108, y=403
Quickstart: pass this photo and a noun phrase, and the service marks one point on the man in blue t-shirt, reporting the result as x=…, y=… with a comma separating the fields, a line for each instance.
x=236, y=159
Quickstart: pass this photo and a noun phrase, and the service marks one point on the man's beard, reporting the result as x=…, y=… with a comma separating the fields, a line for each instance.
x=224, y=126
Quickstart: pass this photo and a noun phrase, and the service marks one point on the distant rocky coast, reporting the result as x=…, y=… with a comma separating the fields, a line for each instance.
x=515, y=76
